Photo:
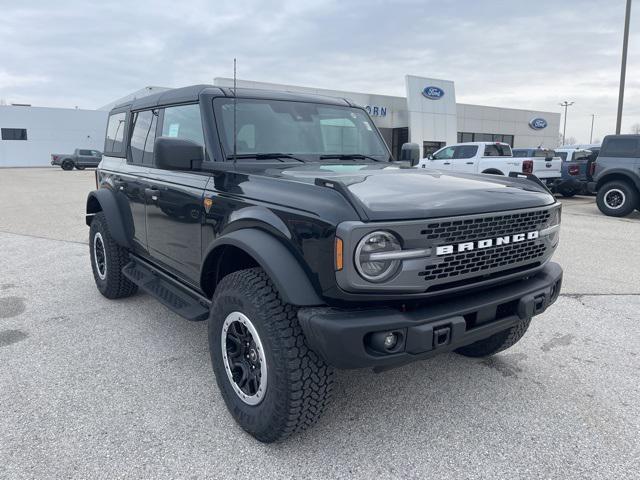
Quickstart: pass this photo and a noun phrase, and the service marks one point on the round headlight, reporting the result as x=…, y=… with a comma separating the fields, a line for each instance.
x=369, y=265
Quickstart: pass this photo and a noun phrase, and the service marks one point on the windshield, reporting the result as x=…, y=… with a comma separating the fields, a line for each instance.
x=306, y=130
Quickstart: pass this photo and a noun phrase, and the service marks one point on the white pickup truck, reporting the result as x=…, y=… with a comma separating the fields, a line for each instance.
x=494, y=158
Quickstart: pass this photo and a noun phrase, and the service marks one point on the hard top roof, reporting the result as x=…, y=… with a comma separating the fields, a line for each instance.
x=192, y=93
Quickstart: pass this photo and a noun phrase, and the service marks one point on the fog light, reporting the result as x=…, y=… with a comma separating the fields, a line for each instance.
x=390, y=340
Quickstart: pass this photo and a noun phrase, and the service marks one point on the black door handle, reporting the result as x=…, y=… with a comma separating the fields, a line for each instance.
x=152, y=193
x=469, y=163
x=447, y=163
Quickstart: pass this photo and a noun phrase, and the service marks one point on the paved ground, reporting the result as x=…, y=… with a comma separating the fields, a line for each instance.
x=91, y=388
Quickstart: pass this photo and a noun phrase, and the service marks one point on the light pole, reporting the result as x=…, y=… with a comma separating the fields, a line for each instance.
x=593, y=118
x=566, y=105
x=623, y=66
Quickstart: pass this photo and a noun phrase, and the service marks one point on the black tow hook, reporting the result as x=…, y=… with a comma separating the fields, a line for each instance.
x=441, y=336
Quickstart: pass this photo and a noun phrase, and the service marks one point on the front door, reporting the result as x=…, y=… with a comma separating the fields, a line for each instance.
x=442, y=159
x=175, y=210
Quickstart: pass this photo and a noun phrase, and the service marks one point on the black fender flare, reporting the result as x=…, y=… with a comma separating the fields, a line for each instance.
x=283, y=268
x=115, y=208
x=618, y=173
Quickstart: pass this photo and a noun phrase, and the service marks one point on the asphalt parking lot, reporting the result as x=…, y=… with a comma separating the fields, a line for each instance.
x=91, y=388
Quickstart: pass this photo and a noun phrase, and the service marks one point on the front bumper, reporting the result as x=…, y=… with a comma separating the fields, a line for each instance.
x=341, y=336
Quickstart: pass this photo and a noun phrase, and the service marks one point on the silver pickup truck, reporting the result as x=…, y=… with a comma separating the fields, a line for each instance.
x=80, y=159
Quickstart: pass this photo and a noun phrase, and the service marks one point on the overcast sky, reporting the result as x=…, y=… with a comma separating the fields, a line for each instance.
x=519, y=53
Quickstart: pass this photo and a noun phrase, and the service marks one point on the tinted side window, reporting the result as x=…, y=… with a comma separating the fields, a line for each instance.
x=114, y=141
x=183, y=122
x=86, y=153
x=143, y=136
x=465, y=151
x=444, y=154
x=497, y=150
x=620, y=147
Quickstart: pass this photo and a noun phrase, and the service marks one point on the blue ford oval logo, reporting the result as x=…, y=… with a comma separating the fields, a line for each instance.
x=538, y=123
x=433, y=93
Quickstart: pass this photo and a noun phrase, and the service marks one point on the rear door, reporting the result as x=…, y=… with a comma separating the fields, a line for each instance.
x=465, y=159
x=175, y=212
x=84, y=158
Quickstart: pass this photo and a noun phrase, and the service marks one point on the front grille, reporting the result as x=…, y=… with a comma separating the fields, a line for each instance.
x=480, y=261
x=457, y=231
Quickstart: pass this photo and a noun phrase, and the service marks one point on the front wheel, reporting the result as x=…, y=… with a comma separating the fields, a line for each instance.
x=617, y=198
x=271, y=382
x=497, y=342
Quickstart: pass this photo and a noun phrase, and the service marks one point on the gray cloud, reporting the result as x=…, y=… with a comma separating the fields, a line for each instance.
x=516, y=54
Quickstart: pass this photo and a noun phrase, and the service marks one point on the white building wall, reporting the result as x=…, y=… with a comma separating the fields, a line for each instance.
x=431, y=120
x=510, y=121
x=49, y=130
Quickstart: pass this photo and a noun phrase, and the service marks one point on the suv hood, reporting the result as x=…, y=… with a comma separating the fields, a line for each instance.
x=395, y=192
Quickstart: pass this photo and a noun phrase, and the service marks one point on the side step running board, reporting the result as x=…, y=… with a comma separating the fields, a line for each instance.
x=185, y=303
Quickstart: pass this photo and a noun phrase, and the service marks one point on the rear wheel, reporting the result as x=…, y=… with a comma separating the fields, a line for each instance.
x=565, y=192
x=271, y=382
x=107, y=260
x=67, y=165
x=617, y=198
x=497, y=342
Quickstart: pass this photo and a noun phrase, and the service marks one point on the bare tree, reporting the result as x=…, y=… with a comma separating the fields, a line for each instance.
x=635, y=129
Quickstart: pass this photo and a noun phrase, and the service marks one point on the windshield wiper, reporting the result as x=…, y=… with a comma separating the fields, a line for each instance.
x=264, y=156
x=349, y=156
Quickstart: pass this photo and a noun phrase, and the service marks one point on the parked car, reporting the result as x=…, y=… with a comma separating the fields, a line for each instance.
x=80, y=159
x=494, y=158
x=330, y=255
x=616, y=177
x=547, y=165
x=577, y=168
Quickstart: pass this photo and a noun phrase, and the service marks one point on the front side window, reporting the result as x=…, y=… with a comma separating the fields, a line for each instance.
x=444, y=154
x=114, y=141
x=143, y=136
x=13, y=134
x=306, y=130
x=183, y=122
x=465, y=151
x=84, y=153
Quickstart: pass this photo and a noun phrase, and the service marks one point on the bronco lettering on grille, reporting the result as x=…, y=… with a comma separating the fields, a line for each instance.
x=489, y=242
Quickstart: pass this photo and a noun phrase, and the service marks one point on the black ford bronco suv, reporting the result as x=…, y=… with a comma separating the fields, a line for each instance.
x=283, y=221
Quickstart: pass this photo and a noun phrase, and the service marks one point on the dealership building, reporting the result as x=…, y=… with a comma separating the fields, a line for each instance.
x=428, y=116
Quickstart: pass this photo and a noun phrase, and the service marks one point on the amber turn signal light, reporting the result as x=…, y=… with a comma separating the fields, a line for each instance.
x=339, y=256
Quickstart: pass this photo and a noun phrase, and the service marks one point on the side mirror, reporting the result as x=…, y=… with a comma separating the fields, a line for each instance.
x=171, y=153
x=410, y=152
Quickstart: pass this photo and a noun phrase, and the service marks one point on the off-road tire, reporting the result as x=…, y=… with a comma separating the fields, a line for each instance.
x=67, y=165
x=631, y=198
x=299, y=383
x=496, y=342
x=568, y=193
x=115, y=284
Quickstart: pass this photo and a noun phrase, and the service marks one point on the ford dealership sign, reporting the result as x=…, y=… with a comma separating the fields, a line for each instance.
x=538, y=123
x=433, y=93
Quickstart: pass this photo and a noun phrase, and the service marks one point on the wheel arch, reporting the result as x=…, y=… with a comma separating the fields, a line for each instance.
x=252, y=247
x=493, y=171
x=120, y=225
x=620, y=176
